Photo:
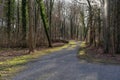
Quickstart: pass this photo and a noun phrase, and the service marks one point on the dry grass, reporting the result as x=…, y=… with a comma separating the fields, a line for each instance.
x=95, y=55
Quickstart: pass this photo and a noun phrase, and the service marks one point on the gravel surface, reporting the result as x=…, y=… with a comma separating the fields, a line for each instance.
x=64, y=65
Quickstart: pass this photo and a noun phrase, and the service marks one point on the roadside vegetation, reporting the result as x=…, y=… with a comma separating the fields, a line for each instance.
x=94, y=55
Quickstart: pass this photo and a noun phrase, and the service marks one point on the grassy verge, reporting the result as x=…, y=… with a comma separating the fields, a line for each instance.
x=11, y=66
x=90, y=56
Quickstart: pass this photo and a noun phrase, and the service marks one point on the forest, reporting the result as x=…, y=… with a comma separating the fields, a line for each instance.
x=30, y=25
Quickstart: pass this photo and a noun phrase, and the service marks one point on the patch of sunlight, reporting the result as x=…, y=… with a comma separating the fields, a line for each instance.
x=83, y=44
x=15, y=62
x=81, y=53
x=1, y=63
x=71, y=47
x=72, y=42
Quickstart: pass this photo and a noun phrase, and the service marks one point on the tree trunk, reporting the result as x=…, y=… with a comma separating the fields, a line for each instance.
x=31, y=26
x=45, y=21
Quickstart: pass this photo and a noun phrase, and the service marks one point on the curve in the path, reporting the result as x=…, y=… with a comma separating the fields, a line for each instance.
x=64, y=65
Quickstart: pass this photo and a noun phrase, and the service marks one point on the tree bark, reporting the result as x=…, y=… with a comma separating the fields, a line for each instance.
x=31, y=26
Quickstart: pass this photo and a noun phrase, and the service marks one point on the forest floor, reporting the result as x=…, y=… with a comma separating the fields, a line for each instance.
x=6, y=54
x=96, y=55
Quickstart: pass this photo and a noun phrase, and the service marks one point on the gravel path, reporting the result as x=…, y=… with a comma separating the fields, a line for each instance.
x=64, y=65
